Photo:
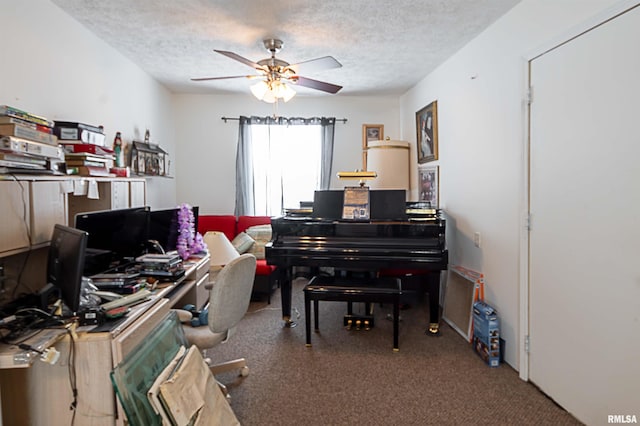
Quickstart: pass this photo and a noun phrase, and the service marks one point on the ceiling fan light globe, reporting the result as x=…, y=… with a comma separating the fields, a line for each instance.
x=269, y=97
x=287, y=92
x=260, y=89
x=277, y=87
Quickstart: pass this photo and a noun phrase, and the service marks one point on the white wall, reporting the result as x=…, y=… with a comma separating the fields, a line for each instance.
x=207, y=145
x=481, y=117
x=54, y=67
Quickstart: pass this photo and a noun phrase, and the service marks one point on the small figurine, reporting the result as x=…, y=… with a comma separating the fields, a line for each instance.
x=118, y=150
x=147, y=136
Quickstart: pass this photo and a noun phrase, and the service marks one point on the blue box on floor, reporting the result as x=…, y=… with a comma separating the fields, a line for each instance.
x=486, y=333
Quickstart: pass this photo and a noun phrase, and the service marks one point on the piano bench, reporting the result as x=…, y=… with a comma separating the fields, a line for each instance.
x=374, y=290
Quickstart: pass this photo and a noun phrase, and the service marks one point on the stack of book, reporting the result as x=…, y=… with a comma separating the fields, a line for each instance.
x=119, y=282
x=27, y=143
x=422, y=211
x=70, y=132
x=85, y=151
x=160, y=265
x=85, y=163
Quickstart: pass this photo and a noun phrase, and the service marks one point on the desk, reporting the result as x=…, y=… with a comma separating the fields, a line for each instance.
x=43, y=393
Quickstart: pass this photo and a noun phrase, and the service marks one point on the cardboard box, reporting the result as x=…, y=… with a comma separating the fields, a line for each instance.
x=486, y=333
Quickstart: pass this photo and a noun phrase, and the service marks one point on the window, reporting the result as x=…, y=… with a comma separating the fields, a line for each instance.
x=286, y=166
x=280, y=162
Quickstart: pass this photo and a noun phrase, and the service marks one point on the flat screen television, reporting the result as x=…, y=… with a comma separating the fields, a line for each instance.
x=163, y=226
x=65, y=263
x=122, y=232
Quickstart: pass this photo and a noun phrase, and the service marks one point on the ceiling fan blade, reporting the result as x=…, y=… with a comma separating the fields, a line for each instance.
x=224, y=78
x=313, y=65
x=241, y=59
x=315, y=84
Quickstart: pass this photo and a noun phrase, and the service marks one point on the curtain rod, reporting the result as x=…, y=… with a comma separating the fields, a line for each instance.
x=225, y=119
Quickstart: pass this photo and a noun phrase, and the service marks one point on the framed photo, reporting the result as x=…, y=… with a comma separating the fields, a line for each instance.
x=429, y=185
x=427, y=133
x=370, y=132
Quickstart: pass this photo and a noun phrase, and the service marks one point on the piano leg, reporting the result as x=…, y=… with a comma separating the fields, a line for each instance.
x=284, y=276
x=434, y=304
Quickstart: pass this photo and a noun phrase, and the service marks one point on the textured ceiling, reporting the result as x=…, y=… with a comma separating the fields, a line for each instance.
x=385, y=47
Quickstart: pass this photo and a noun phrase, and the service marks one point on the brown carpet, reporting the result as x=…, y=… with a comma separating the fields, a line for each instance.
x=354, y=377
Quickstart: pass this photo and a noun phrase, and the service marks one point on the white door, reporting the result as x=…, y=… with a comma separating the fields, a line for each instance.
x=584, y=284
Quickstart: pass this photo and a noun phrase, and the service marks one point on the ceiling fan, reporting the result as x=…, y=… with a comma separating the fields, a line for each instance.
x=274, y=73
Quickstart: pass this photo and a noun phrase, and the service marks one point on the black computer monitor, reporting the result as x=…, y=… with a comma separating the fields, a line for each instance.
x=122, y=232
x=65, y=263
x=196, y=213
x=163, y=226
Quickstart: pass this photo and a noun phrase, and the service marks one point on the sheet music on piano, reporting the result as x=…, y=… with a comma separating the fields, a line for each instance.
x=356, y=203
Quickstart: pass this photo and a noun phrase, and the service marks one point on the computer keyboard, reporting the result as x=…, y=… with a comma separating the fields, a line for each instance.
x=129, y=299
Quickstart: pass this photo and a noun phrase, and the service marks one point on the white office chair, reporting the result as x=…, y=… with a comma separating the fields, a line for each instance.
x=229, y=299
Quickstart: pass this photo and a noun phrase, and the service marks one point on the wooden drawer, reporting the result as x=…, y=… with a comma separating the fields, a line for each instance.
x=202, y=294
x=202, y=268
x=134, y=334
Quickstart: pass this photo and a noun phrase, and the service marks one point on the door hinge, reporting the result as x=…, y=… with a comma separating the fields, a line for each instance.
x=526, y=343
x=529, y=95
x=527, y=221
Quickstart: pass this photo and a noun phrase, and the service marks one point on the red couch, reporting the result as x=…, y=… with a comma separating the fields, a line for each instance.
x=232, y=226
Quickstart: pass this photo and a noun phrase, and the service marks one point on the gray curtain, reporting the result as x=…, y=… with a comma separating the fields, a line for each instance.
x=244, y=170
x=244, y=165
x=328, y=130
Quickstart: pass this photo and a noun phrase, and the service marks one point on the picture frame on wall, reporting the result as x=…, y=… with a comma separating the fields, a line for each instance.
x=370, y=132
x=427, y=133
x=429, y=185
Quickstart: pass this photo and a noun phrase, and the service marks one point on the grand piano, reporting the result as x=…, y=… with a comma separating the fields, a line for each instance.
x=388, y=243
